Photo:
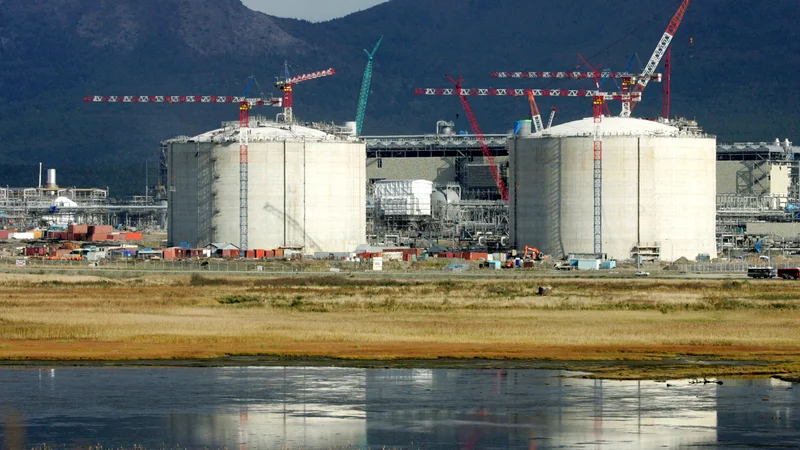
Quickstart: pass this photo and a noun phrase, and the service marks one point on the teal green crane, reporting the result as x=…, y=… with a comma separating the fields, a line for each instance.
x=362, y=99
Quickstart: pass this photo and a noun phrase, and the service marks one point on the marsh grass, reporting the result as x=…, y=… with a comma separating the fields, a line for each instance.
x=200, y=315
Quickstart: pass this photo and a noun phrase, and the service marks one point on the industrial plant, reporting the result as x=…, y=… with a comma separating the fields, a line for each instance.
x=607, y=187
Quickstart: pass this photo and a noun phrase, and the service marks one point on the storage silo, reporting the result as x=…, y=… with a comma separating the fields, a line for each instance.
x=658, y=190
x=306, y=188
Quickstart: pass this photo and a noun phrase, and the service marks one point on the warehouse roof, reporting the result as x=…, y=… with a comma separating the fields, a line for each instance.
x=611, y=126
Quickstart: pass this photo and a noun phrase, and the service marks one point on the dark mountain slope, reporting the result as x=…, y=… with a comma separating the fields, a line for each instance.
x=739, y=79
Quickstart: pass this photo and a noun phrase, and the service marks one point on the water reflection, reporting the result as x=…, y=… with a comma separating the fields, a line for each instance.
x=272, y=407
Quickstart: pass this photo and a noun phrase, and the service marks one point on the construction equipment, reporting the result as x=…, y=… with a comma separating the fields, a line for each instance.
x=597, y=104
x=365, y=82
x=287, y=83
x=536, y=118
x=658, y=53
x=501, y=185
x=531, y=254
x=665, y=93
x=245, y=104
x=553, y=112
x=576, y=75
x=493, y=92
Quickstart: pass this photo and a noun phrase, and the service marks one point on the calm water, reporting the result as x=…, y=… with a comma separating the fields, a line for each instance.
x=297, y=407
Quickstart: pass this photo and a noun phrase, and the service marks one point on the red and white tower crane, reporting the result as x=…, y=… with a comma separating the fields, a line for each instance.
x=245, y=104
x=658, y=53
x=287, y=83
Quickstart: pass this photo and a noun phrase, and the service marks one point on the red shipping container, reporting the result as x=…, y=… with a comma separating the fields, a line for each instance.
x=78, y=229
x=133, y=236
x=230, y=253
x=98, y=229
x=250, y=254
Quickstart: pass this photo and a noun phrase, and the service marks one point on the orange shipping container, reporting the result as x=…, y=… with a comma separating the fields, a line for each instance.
x=133, y=236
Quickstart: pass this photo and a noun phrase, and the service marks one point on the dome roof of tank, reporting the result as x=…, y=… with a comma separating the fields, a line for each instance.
x=266, y=131
x=611, y=126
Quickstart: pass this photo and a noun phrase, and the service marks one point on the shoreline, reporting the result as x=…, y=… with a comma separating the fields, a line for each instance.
x=672, y=368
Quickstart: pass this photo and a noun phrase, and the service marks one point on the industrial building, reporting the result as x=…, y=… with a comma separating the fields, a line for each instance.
x=51, y=204
x=658, y=189
x=306, y=187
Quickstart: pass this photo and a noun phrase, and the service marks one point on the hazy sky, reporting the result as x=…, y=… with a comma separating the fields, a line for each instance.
x=313, y=10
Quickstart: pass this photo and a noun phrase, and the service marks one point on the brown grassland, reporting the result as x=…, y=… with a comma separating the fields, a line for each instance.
x=617, y=328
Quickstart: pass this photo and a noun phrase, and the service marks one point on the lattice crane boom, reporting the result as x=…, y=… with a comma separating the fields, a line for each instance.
x=365, y=83
x=498, y=179
x=491, y=92
x=181, y=99
x=553, y=112
x=569, y=75
x=536, y=117
x=658, y=53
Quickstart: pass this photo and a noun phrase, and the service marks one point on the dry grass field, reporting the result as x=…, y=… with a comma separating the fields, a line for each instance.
x=627, y=323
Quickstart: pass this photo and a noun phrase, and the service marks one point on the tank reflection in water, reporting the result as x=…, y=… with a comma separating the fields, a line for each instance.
x=302, y=407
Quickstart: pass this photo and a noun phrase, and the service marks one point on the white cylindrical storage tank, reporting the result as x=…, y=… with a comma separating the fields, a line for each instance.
x=658, y=190
x=352, y=126
x=51, y=178
x=306, y=189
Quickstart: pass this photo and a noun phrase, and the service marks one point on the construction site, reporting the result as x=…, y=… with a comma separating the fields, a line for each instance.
x=608, y=187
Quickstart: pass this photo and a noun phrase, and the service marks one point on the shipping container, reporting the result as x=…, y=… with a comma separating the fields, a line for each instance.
x=98, y=229
x=79, y=229
x=131, y=236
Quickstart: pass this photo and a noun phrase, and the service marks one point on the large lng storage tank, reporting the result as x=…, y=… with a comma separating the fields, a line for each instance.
x=658, y=190
x=306, y=189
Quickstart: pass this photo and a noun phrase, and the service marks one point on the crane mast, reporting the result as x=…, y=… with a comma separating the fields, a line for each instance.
x=666, y=93
x=597, y=106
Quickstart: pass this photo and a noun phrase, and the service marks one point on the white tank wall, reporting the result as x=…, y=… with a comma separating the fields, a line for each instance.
x=656, y=190
x=301, y=194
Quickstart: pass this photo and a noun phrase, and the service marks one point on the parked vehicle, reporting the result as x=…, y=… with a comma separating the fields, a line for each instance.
x=761, y=272
x=791, y=273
